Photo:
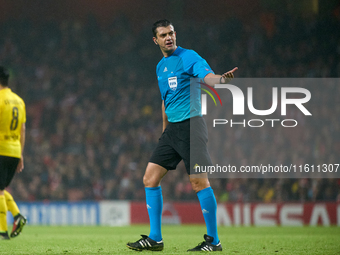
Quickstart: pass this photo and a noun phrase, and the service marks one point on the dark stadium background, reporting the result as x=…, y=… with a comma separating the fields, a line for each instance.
x=86, y=70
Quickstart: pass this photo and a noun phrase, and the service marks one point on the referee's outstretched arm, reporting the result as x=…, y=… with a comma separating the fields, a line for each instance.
x=212, y=79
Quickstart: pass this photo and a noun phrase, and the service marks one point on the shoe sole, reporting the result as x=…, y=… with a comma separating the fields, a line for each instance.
x=202, y=250
x=133, y=248
x=22, y=223
x=147, y=249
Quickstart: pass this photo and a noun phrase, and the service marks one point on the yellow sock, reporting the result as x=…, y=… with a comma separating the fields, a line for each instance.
x=3, y=214
x=11, y=205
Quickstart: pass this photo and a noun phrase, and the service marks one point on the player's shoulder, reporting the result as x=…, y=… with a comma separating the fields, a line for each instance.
x=15, y=96
x=21, y=100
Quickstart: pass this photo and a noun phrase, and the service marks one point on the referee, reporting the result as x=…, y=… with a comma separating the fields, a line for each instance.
x=174, y=72
x=12, y=140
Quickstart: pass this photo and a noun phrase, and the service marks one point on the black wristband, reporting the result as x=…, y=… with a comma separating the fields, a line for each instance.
x=221, y=80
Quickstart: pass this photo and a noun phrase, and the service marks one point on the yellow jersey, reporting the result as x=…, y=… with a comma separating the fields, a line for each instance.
x=12, y=116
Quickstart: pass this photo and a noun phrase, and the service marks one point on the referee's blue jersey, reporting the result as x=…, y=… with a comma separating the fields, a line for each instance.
x=174, y=73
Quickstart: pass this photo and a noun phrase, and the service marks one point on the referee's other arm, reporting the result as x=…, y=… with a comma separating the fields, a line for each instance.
x=165, y=118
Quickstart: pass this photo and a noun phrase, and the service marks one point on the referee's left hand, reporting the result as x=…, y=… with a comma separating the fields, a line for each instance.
x=228, y=76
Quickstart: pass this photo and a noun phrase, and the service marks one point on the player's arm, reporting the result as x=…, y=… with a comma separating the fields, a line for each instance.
x=212, y=79
x=20, y=166
x=165, y=118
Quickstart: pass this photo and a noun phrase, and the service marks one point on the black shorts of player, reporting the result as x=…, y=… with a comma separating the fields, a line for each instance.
x=8, y=166
x=179, y=141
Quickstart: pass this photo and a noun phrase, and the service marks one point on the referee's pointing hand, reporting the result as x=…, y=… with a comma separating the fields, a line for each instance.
x=228, y=76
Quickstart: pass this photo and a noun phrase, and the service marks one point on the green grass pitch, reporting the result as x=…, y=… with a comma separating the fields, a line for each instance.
x=177, y=239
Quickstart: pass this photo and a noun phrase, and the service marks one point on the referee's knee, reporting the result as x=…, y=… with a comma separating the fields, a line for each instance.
x=198, y=184
x=146, y=181
x=150, y=181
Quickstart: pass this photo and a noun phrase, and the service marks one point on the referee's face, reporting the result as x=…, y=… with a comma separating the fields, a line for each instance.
x=166, y=39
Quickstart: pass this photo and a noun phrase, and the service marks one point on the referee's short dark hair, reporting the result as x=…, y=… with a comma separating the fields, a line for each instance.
x=160, y=23
x=4, y=75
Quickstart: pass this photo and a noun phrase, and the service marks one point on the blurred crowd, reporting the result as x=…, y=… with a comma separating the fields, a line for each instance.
x=94, y=108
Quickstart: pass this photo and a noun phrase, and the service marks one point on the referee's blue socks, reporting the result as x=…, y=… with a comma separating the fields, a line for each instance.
x=209, y=207
x=154, y=203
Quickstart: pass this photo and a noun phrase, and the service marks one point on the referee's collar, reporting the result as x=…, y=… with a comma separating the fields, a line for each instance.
x=177, y=49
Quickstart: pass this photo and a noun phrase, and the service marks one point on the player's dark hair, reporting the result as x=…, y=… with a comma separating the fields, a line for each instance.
x=160, y=23
x=4, y=75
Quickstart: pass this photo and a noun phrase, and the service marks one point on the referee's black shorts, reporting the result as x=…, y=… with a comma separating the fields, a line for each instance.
x=179, y=141
x=8, y=166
